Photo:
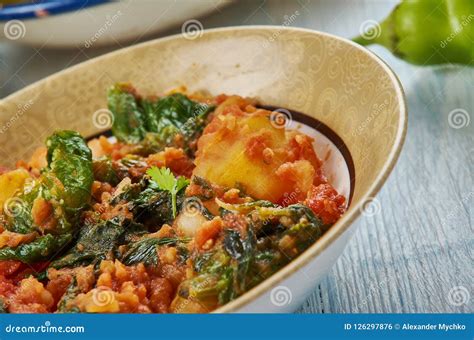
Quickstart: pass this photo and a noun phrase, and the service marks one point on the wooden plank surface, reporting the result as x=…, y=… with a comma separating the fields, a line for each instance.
x=416, y=253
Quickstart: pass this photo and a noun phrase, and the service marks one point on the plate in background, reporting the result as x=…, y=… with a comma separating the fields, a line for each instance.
x=94, y=23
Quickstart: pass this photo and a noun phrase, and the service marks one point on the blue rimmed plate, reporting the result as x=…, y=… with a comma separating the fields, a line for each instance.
x=93, y=23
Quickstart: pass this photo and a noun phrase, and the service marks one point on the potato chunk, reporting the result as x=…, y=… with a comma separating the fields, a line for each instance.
x=245, y=150
x=10, y=183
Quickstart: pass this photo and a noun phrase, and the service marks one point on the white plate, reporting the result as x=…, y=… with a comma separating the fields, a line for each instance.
x=109, y=23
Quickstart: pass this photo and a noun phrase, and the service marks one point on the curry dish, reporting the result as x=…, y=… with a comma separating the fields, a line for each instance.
x=192, y=202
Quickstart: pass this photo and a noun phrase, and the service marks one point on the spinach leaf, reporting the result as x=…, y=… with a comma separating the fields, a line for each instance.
x=242, y=252
x=65, y=184
x=129, y=122
x=104, y=171
x=183, y=254
x=214, y=281
x=201, y=259
x=302, y=225
x=21, y=222
x=94, y=243
x=244, y=259
x=307, y=228
x=41, y=249
x=3, y=308
x=155, y=123
x=70, y=160
x=172, y=111
x=144, y=250
x=71, y=292
x=194, y=126
x=154, y=207
x=172, y=115
x=223, y=272
x=233, y=244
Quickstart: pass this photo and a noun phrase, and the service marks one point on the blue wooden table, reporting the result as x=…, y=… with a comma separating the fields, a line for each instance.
x=416, y=253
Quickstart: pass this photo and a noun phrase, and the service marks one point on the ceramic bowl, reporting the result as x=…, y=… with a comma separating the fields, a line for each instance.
x=329, y=79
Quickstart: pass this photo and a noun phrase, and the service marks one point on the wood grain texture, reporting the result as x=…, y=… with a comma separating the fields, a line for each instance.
x=414, y=254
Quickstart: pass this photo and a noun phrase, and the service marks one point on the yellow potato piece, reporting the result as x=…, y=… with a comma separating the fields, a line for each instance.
x=224, y=160
x=225, y=157
x=10, y=183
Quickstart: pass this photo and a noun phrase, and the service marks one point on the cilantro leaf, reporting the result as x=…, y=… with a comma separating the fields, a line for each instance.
x=165, y=180
x=181, y=183
x=162, y=177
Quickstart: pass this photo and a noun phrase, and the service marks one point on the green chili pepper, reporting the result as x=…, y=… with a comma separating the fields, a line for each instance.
x=427, y=32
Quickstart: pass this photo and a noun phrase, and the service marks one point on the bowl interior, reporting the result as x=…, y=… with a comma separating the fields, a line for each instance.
x=328, y=78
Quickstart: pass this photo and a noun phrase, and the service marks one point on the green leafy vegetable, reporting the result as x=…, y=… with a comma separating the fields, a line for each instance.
x=3, y=308
x=214, y=282
x=173, y=110
x=41, y=249
x=145, y=250
x=65, y=183
x=155, y=123
x=223, y=273
x=70, y=160
x=22, y=222
x=152, y=207
x=94, y=243
x=129, y=123
x=104, y=171
x=71, y=292
x=245, y=258
x=166, y=181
